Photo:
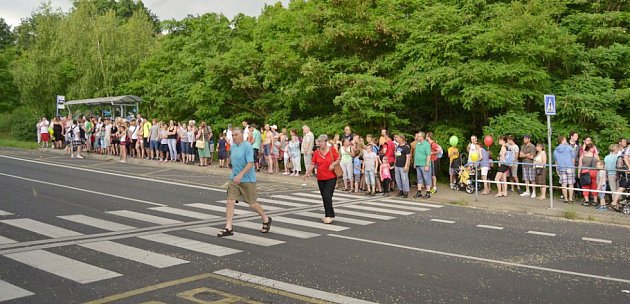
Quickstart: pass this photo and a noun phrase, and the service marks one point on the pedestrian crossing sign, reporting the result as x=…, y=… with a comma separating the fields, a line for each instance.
x=550, y=105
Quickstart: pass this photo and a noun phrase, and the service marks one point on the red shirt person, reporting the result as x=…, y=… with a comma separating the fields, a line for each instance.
x=325, y=158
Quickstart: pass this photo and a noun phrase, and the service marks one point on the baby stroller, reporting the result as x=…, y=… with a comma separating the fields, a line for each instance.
x=466, y=179
x=624, y=202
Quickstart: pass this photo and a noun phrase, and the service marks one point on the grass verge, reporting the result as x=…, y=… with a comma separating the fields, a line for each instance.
x=14, y=143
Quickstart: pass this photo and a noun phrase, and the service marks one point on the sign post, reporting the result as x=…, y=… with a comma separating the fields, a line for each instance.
x=550, y=109
x=60, y=103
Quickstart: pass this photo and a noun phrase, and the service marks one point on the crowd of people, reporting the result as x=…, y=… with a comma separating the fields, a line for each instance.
x=370, y=164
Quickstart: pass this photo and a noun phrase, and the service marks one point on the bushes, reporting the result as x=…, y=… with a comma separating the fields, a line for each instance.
x=19, y=124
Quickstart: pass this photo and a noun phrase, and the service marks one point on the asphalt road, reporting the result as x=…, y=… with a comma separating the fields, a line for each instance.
x=74, y=231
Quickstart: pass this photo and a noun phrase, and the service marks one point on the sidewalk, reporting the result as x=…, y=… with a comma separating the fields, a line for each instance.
x=510, y=204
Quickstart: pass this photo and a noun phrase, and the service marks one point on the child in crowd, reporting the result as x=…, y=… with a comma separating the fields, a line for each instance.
x=610, y=161
x=275, y=153
x=357, y=172
x=386, y=176
x=601, y=185
x=221, y=148
x=123, y=137
x=453, y=154
x=294, y=154
x=370, y=163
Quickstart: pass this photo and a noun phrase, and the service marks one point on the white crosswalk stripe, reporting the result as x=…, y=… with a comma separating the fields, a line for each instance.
x=188, y=244
x=218, y=208
x=278, y=230
x=186, y=213
x=62, y=266
x=341, y=195
x=244, y=205
x=311, y=224
x=363, y=214
x=299, y=199
x=6, y=240
x=284, y=203
x=366, y=208
x=402, y=202
x=241, y=237
x=41, y=228
x=5, y=213
x=315, y=196
x=144, y=217
x=337, y=219
x=387, y=205
x=134, y=254
x=96, y=222
x=9, y=292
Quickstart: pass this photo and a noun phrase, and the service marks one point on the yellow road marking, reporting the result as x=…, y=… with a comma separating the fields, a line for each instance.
x=155, y=287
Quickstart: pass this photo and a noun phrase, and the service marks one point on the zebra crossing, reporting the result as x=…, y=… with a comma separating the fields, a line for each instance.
x=298, y=218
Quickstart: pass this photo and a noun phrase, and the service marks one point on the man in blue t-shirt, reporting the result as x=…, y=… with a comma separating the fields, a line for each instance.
x=242, y=184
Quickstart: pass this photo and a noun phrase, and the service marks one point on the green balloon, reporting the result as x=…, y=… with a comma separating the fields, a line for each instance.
x=453, y=141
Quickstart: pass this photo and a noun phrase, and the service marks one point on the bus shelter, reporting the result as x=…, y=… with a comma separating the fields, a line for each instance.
x=115, y=106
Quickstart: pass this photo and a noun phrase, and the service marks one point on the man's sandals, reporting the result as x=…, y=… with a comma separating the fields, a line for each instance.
x=227, y=232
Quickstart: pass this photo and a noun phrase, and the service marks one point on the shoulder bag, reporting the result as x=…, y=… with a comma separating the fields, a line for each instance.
x=201, y=143
x=337, y=168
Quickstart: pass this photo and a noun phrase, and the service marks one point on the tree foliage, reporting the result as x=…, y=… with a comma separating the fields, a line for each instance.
x=443, y=65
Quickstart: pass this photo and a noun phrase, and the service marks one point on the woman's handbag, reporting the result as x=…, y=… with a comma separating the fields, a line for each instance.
x=585, y=179
x=201, y=143
x=337, y=168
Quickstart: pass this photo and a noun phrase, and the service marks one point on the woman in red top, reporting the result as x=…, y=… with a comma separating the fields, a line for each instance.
x=325, y=158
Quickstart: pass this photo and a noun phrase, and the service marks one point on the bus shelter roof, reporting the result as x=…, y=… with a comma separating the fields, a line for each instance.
x=109, y=101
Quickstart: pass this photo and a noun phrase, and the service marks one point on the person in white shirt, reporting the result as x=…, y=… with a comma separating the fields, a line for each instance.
x=245, y=130
x=42, y=132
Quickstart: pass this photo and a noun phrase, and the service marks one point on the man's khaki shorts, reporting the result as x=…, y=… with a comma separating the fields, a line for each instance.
x=244, y=192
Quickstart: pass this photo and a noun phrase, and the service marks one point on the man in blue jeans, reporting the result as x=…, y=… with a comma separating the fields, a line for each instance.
x=401, y=169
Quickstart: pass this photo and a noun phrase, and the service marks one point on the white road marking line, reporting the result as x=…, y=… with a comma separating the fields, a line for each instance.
x=10, y=292
x=483, y=259
x=311, y=224
x=241, y=237
x=389, y=200
x=541, y=233
x=388, y=205
x=443, y=221
x=337, y=219
x=82, y=190
x=597, y=240
x=363, y=214
x=315, y=196
x=144, y=217
x=341, y=194
x=278, y=230
x=277, y=202
x=134, y=254
x=189, y=244
x=490, y=227
x=244, y=205
x=186, y=213
x=62, y=266
x=41, y=228
x=4, y=213
x=299, y=199
x=292, y=288
x=142, y=178
x=5, y=240
x=96, y=222
x=218, y=208
x=366, y=208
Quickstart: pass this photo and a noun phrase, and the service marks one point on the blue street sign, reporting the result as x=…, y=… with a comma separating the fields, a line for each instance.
x=550, y=105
